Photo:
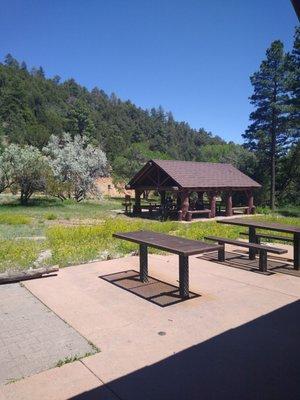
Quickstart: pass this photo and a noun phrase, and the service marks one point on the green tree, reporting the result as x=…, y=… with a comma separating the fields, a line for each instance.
x=293, y=86
x=75, y=163
x=24, y=168
x=229, y=153
x=79, y=121
x=268, y=135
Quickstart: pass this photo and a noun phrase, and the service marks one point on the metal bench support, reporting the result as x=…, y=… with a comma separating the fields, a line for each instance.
x=263, y=261
x=252, y=239
x=297, y=251
x=184, y=276
x=221, y=253
x=144, y=263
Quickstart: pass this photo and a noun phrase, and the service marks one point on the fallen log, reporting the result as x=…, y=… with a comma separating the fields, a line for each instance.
x=16, y=276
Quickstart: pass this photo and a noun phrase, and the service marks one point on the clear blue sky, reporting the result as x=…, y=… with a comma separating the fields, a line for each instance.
x=193, y=57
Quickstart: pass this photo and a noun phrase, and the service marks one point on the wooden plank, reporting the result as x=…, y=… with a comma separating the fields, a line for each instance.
x=16, y=276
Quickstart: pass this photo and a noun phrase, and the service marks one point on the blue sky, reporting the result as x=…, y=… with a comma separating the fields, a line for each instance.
x=193, y=57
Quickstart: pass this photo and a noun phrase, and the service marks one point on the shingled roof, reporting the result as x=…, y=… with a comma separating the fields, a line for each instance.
x=191, y=174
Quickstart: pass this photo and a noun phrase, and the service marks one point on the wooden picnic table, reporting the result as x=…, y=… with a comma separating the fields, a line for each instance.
x=271, y=226
x=172, y=244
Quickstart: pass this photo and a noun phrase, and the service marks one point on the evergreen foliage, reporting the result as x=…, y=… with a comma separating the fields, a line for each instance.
x=32, y=108
x=274, y=132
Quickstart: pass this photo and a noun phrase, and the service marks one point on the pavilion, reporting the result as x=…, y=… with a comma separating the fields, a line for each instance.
x=182, y=178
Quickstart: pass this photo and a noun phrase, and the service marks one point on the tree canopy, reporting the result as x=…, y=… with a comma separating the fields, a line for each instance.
x=33, y=107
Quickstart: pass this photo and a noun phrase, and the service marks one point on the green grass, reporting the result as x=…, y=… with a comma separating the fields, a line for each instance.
x=14, y=219
x=71, y=245
x=82, y=232
x=18, y=255
x=68, y=360
x=41, y=207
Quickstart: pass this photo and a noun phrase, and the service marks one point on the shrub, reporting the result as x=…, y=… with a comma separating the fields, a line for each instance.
x=51, y=216
x=25, y=169
x=76, y=162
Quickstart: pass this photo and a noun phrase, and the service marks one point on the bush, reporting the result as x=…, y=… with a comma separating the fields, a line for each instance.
x=50, y=216
x=25, y=169
x=77, y=163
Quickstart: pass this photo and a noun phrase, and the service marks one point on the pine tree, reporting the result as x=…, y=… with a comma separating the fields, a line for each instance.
x=268, y=135
x=293, y=86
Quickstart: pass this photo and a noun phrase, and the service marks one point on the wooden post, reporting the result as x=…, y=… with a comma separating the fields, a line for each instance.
x=137, y=203
x=212, y=198
x=229, y=204
x=250, y=202
x=184, y=204
x=178, y=201
x=162, y=197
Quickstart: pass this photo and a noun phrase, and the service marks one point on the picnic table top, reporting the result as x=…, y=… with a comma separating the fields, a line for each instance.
x=172, y=244
x=272, y=226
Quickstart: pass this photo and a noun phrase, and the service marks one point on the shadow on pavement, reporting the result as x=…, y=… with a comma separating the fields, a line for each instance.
x=258, y=360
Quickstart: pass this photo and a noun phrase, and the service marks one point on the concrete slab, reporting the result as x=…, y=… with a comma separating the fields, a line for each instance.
x=61, y=383
x=136, y=336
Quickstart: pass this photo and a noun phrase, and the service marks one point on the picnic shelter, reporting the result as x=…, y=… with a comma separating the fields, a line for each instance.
x=182, y=178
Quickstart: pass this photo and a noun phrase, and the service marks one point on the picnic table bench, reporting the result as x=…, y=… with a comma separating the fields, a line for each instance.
x=262, y=249
x=190, y=213
x=271, y=226
x=245, y=209
x=172, y=244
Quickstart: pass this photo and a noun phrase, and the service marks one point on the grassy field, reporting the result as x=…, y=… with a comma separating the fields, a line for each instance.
x=49, y=231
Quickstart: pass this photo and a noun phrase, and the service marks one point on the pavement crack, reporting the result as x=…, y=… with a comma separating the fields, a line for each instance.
x=106, y=385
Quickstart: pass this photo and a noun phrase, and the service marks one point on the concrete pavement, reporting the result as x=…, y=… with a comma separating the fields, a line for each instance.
x=238, y=316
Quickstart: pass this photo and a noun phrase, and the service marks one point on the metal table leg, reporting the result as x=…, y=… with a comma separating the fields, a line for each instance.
x=184, y=276
x=252, y=239
x=297, y=251
x=144, y=263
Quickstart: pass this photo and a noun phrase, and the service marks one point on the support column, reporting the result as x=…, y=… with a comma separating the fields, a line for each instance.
x=229, y=204
x=213, y=199
x=143, y=263
x=297, y=251
x=250, y=202
x=184, y=276
x=162, y=197
x=184, y=204
x=178, y=200
x=137, y=201
x=252, y=239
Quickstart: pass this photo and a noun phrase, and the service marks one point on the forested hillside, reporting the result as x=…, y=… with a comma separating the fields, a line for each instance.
x=33, y=107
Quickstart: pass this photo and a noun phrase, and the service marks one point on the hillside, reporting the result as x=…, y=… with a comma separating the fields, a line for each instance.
x=32, y=107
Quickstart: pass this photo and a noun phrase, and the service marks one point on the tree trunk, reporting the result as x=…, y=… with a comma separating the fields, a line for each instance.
x=273, y=171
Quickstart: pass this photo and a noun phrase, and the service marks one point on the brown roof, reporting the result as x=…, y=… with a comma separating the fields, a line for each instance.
x=191, y=174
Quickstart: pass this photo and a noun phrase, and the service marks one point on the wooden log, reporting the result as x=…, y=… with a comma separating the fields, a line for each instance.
x=16, y=276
